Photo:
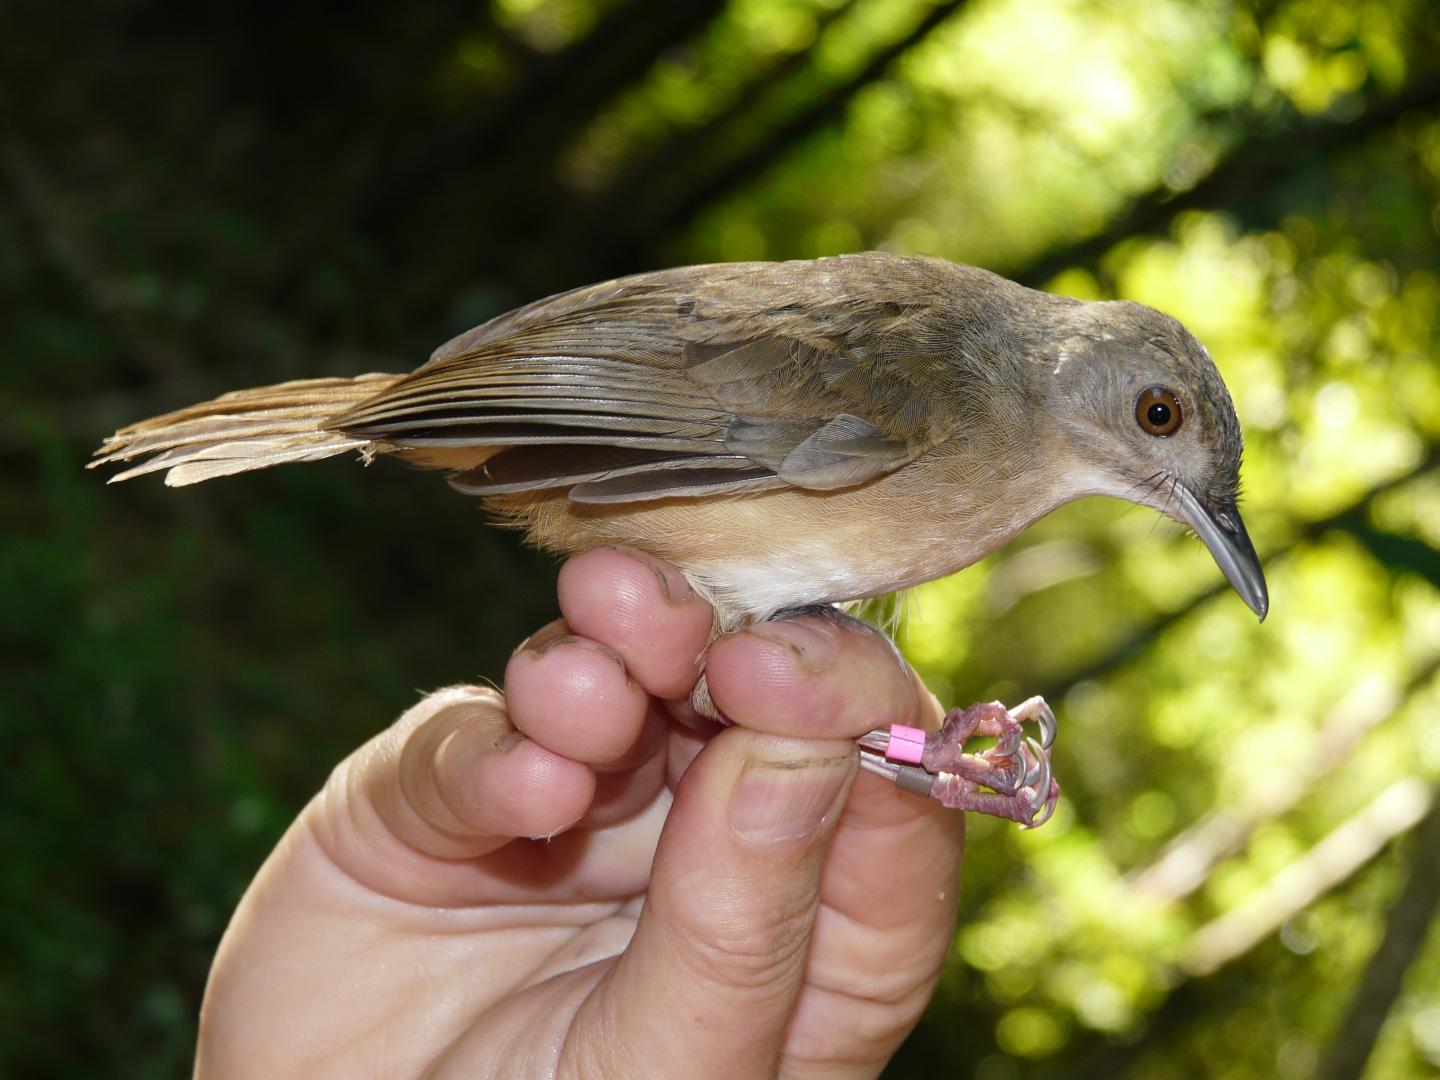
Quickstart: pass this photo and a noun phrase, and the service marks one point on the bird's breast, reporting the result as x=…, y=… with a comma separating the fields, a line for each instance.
x=758, y=554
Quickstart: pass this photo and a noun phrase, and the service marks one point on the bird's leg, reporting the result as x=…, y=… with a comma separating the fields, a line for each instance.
x=707, y=716
x=1016, y=770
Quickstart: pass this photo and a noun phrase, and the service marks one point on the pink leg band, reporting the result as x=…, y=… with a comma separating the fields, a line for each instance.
x=906, y=744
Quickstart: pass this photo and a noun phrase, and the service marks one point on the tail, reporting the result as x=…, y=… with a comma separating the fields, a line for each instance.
x=243, y=430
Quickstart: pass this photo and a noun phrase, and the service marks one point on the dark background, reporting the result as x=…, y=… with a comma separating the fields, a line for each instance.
x=199, y=197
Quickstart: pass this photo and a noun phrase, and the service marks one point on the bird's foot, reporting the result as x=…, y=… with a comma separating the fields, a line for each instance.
x=1016, y=770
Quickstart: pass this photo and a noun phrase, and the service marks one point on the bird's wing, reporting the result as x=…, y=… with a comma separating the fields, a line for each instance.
x=736, y=377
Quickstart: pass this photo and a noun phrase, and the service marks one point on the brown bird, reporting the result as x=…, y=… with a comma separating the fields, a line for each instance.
x=788, y=434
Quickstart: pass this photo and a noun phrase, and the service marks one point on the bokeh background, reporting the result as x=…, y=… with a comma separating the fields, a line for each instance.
x=195, y=197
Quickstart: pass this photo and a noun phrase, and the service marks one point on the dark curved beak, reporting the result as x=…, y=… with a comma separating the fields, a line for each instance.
x=1224, y=534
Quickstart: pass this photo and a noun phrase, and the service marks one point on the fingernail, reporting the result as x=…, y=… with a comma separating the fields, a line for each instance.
x=673, y=584
x=545, y=639
x=813, y=646
x=556, y=634
x=460, y=753
x=508, y=741
x=780, y=801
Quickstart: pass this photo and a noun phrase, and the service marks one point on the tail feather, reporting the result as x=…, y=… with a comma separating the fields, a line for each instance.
x=243, y=430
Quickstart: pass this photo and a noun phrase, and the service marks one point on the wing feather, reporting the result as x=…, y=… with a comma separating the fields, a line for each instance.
x=528, y=468
x=688, y=483
x=695, y=381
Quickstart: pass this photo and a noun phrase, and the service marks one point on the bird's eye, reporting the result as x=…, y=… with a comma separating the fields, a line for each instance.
x=1157, y=410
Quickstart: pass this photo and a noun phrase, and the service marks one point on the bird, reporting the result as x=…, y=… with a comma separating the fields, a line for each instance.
x=789, y=434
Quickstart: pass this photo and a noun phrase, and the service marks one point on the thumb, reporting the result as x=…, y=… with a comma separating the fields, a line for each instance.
x=711, y=976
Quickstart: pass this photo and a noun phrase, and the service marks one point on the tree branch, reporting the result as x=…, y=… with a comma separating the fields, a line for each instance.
x=690, y=144
x=1252, y=166
x=1343, y=851
x=563, y=90
x=1193, y=999
x=1188, y=860
x=830, y=105
x=1405, y=932
x=73, y=254
x=513, y=146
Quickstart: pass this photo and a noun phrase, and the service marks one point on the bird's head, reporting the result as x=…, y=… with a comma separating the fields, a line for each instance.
x=1143, y=414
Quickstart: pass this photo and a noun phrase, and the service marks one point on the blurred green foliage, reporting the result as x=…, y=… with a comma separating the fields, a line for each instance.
x=201, y=198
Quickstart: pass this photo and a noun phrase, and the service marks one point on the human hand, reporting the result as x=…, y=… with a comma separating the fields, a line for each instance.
x=465, y=898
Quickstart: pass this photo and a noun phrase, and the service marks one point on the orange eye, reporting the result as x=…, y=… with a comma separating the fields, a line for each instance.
x=1157, y=410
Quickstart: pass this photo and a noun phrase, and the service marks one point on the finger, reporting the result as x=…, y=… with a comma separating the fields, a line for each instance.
x=889, y=895
x=631, y=782
x=811, y=676
x=643, y=609
x=575, y=697
x=719, y=954
x=622, y=795
x=453, y=779
x=683, y=746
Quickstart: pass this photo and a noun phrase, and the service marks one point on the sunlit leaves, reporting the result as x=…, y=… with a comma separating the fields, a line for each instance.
x=547, y=25
x=1317, y=51
x=690, y=87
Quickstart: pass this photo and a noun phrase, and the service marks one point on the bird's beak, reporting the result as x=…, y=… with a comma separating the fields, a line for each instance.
x=1224, y=534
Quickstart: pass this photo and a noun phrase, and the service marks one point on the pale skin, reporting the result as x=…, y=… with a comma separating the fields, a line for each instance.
x=465, y=899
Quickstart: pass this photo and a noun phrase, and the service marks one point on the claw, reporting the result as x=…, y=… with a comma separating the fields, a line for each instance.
x=1051, y=801
x=1042, y=788
x=1048, y=726
x=1037, y=709
x=1037, y=761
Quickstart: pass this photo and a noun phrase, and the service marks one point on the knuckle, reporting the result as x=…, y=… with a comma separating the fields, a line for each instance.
x=747, y=952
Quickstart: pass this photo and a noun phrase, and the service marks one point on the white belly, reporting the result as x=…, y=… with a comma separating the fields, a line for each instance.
x=816, y=572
